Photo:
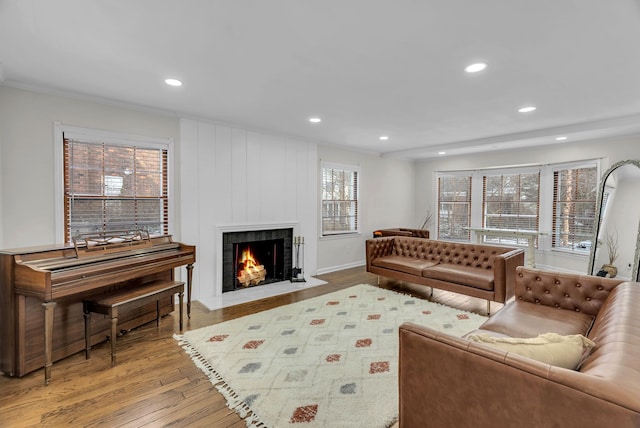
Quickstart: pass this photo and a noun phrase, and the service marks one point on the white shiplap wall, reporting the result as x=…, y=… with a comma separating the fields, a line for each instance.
x=233, y=177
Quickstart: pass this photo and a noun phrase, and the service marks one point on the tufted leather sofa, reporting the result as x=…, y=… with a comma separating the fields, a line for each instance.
x=483, y=271
x=449, y=381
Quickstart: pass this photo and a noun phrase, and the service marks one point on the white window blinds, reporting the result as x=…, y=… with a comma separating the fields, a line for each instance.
x=109, y=187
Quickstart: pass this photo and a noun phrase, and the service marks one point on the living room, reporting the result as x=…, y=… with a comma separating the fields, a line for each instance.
x=228, y=172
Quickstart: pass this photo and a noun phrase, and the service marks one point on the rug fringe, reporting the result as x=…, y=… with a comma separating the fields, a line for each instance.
x=233, y=400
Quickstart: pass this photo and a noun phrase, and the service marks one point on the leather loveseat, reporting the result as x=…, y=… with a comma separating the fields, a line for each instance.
x=483, y=271
x=449, y=381
x=402, y=231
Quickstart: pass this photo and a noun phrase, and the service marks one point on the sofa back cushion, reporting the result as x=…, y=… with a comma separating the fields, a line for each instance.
x=458, y=253
x=575, y=292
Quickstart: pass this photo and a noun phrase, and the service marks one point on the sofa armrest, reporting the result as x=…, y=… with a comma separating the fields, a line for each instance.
x=416, y=233
x=449, y=381
x=504, y=273
x=378, y=247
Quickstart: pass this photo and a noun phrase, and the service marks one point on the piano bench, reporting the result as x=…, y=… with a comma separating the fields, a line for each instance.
x=126, y=299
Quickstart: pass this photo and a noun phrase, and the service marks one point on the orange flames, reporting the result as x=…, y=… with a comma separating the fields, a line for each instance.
x=248, y=259
x=252, y=273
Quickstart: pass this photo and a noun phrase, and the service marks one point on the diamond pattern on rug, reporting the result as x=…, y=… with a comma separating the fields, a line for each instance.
x=304, y=414
x=379, y=367
x=329, y=361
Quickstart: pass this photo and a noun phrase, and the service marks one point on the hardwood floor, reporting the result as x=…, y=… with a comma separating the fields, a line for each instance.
x=155, y=383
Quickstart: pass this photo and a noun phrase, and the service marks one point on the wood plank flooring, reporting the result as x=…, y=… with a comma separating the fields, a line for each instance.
x=155, y=383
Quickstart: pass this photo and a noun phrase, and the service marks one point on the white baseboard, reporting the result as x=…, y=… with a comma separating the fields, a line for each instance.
x=340, y=267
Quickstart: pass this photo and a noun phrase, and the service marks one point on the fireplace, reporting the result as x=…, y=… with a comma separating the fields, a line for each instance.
x=256, y=257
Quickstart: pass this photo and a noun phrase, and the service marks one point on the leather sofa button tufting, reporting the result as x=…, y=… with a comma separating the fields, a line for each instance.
x=538, y=278
x=528, y=288
x=600, y=287
x=578, y=286
x=557, y=282
x=577, y=309
x=557, y=305
x=588, y=299
x=537, y=301
x=546, y=291
x=566, y=295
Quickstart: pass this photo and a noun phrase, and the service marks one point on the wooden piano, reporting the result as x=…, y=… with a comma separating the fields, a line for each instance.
x=41, y=293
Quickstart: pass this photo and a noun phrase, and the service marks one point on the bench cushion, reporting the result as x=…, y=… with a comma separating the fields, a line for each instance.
x=413, y=266
x=461, y=274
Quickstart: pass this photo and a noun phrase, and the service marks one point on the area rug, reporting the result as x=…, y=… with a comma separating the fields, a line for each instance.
x=329, y=361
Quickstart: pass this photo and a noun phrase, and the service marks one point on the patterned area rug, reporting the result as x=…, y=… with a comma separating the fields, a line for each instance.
x=329, y=361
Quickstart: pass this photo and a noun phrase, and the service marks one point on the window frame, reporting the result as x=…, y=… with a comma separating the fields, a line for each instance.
x=90, y=135
x=358, y=185
x=469, y=201
x=513, y=215
x=569, y=167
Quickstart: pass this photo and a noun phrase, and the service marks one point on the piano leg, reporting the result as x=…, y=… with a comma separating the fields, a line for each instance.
x=87, y=331
x=181, y=298
x=114, y=333
x=189, y=276
x=49, y=308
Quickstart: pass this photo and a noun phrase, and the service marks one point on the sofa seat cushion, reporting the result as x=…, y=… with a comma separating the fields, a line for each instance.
x=461, y=274
x=524, y=319
x=548, y=348
x=410, y=265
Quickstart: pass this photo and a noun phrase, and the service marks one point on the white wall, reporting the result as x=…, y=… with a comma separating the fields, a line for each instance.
x=27, y=163
x=609, y=150
x=228, y=175
x=387, y=189
x=222, y=176
x=233, y=176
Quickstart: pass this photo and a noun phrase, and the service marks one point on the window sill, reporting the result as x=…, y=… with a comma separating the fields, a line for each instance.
x=584, y=255
x=346, y=235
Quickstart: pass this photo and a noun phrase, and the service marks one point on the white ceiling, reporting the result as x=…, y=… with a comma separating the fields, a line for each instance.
x=366, y=67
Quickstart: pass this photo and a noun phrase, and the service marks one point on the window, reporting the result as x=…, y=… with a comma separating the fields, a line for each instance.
x=559, y=200
x=574, y=208
x=339, y=199
x=510, y=201
x=454, y=207
x=114, y=187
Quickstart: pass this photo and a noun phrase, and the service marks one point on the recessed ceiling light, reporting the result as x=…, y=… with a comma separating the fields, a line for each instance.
x=561, y=138
x=315, y=120
x=173, y=82
x=442, y=153
x=527, y=109
x=384, y=137
x=474, y=68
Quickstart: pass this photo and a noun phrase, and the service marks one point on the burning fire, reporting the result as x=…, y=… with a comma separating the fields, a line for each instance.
x=251, y=273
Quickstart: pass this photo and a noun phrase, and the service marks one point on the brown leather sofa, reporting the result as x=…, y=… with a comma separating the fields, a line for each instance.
x=483, y=271
x=449, y=381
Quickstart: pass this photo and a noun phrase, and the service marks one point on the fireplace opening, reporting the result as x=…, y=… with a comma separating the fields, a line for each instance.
x=258, y=262
x=252, y=253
